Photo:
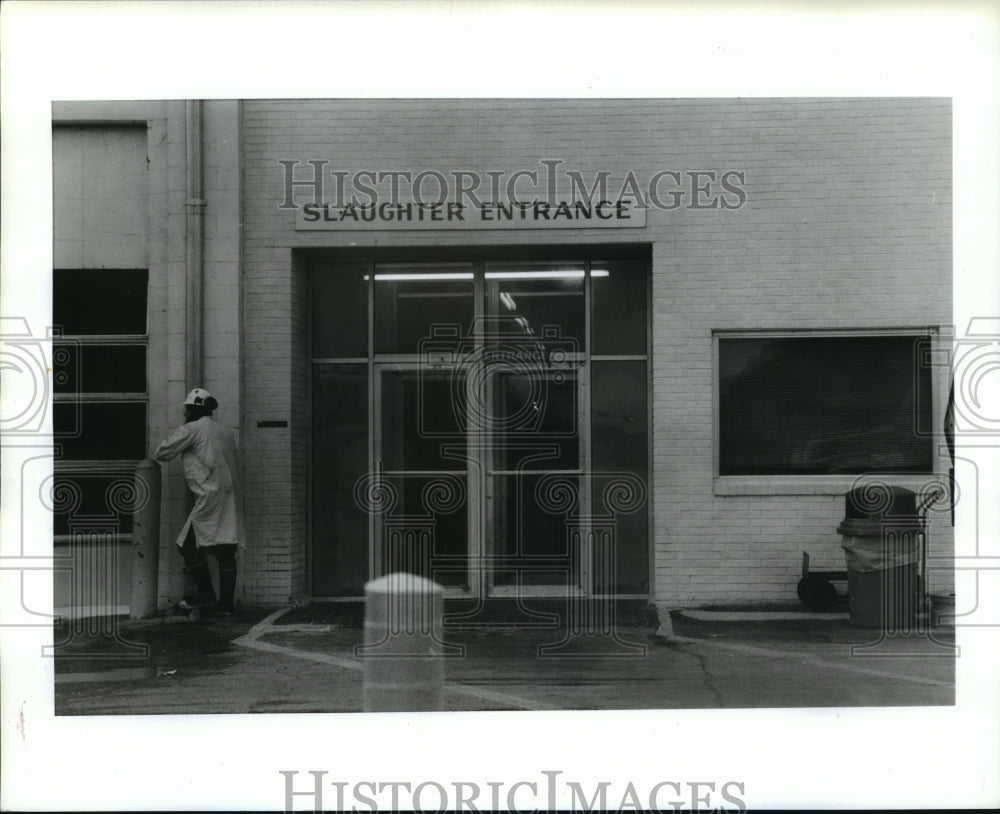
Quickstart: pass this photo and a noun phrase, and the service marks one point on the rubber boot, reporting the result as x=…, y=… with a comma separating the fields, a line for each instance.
x=227, y=590
x=202, y=576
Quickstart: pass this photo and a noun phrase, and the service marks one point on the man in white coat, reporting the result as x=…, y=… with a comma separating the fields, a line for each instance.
x=212, y=470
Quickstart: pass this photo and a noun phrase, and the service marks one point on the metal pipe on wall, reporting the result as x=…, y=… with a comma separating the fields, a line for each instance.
x=195, y=241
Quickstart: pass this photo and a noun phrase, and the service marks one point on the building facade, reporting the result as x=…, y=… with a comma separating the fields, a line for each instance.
x=527, y=347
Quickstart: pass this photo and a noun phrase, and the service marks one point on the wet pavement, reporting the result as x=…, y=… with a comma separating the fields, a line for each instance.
x=250, y=662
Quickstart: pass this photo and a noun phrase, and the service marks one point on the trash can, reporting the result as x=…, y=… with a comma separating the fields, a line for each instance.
x=881, y=541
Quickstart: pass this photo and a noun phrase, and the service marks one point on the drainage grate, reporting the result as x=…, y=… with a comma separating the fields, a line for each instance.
x=335, y=614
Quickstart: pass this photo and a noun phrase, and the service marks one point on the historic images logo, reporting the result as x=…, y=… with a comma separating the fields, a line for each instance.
x=551, y=794
x=465, y=198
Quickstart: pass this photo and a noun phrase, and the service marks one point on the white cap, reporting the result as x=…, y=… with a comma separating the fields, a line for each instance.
x=198, y=397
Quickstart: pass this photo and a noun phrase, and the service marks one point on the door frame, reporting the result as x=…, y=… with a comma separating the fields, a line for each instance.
x=482, y=543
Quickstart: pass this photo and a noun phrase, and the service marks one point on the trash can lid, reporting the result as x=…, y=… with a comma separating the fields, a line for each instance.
x=873, y=501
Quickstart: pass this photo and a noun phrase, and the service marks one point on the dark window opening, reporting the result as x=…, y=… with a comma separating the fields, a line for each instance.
x=99, y=381
x=823, y=405
x=99, y=301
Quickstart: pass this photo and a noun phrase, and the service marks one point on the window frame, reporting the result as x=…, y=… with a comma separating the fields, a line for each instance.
x=89, y=467
x=826, y=484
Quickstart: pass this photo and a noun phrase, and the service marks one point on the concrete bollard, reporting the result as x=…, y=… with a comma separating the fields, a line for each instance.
x=145, y=540
x=404, y=667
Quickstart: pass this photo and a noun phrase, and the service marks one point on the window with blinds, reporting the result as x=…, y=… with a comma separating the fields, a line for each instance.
x=822, y=405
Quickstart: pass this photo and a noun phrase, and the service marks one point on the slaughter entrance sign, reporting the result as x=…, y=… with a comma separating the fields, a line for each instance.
x=453, y=215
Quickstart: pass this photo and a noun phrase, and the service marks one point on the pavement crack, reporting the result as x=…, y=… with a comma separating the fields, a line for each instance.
x=677, y=647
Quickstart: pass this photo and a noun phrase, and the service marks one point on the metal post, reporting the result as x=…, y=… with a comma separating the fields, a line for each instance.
x=404, y=667
x=194, y=244
x=145, y=540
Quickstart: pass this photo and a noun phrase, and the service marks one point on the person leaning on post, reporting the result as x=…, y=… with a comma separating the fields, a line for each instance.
x=212, y=471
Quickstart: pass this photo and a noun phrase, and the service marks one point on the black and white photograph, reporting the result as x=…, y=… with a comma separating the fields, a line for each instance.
x=600, y=426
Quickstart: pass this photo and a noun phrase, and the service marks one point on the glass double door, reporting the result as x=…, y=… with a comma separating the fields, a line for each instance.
x=477, y=422
x=481, y=463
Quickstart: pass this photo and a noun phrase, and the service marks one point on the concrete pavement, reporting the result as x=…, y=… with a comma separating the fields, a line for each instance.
x=251, y=662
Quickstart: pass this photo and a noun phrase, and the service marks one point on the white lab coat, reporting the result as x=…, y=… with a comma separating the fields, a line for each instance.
x=212, y=469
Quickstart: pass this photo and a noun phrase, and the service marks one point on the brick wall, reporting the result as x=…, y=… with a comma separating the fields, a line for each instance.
x=846, y=225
